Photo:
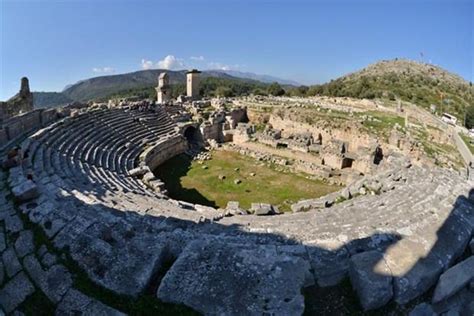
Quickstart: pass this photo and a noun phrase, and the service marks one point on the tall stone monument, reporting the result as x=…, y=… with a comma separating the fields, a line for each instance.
x=163, y=91
x=22, y=102
x=192, y=84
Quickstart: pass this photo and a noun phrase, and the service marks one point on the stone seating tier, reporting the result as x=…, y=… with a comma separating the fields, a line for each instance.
x=393, y=243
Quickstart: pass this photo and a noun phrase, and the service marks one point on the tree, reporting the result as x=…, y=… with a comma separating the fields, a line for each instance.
x=470, y=116
x=225, y=92
x=275, y=89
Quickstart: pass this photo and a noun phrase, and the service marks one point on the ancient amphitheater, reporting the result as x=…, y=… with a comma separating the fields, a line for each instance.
x=84, y=184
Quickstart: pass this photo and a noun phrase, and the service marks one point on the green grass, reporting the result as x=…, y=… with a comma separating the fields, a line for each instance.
x=383, y=123
x=467, y=140
x=188, y=181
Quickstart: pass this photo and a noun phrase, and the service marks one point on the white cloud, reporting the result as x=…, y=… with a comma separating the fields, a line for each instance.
x=219, y=66
x=147, y=64
x=170, y=62
x=197, y=58
x=103, y=70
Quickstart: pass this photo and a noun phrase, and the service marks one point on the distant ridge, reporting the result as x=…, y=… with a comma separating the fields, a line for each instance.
x=262, y=78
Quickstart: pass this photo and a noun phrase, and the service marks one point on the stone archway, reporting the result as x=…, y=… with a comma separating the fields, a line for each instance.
x=193, y=136
x=378, y=155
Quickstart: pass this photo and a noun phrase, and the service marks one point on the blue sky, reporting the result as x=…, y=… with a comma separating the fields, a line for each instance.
x=56, y=43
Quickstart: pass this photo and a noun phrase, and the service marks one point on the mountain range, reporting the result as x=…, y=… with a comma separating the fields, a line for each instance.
x=104, y=86
x=420, y=83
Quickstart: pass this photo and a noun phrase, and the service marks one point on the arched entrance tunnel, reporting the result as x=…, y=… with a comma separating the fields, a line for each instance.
x=194, y=137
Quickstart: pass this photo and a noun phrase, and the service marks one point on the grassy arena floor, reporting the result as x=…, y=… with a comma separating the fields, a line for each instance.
x=188, y=181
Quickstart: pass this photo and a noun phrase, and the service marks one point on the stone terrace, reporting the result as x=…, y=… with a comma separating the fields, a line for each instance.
x=393, y=245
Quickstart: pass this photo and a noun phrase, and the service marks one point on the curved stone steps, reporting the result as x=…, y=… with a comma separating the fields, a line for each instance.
x=120, y=237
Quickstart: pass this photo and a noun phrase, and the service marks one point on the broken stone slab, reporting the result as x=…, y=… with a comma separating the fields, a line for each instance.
x=233, y=208
x=330, y=264
x=322, y=202
x=149, y=176
x=25, y=191
x=15, y=292
x=77, y=303
x=118, y=260
x=422, y=309
x=10, y=260
x=371, y=278
x=414, y=268
x=139, y=171
x=215, y=277
x=54, y=282
x=24, y=243
x=262, y=209
x=454, y=279
x=13, y=224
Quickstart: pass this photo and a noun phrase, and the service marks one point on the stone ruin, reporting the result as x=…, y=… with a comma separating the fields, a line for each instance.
x=85, y=180
x=163, y=91
x=22, y=102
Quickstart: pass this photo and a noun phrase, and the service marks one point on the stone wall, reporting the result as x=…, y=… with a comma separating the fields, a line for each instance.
x=212, y=131
x=290, y=127
x=162, y=151
x=238, y=115
x=22, y=124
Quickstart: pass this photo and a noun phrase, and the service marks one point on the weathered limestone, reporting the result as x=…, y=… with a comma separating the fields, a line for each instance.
x=10, y=260
x=163, y=91
x=119, y=259
x=422, y=309
x=76, y=302
x=219, y=278
x=54, y=282
x=24, y=244
x=371, y=279
x=262, y=209
x=25, y=191
x=233, y=208
x=121, y=232
x=15, y=292
x=330, y=264
x=20, y=103
x=454, y=279
x=192, y=84
x=139, y=171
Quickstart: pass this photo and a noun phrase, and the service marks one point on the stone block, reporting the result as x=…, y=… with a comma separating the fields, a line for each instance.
x=10, y=260
x=215, y=278
x=454, y=279
x=24, y=243
x=329, y=265
x=15, y=292
x=54, y=282
x=371, y=278
x=25, y=191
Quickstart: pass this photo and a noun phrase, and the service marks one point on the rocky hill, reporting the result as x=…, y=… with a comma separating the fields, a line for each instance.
x=420, y=83
x=50, y=99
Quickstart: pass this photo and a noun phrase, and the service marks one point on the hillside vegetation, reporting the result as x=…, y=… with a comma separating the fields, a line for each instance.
x=145, y=80
x=422, y=84
x=50, y=99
